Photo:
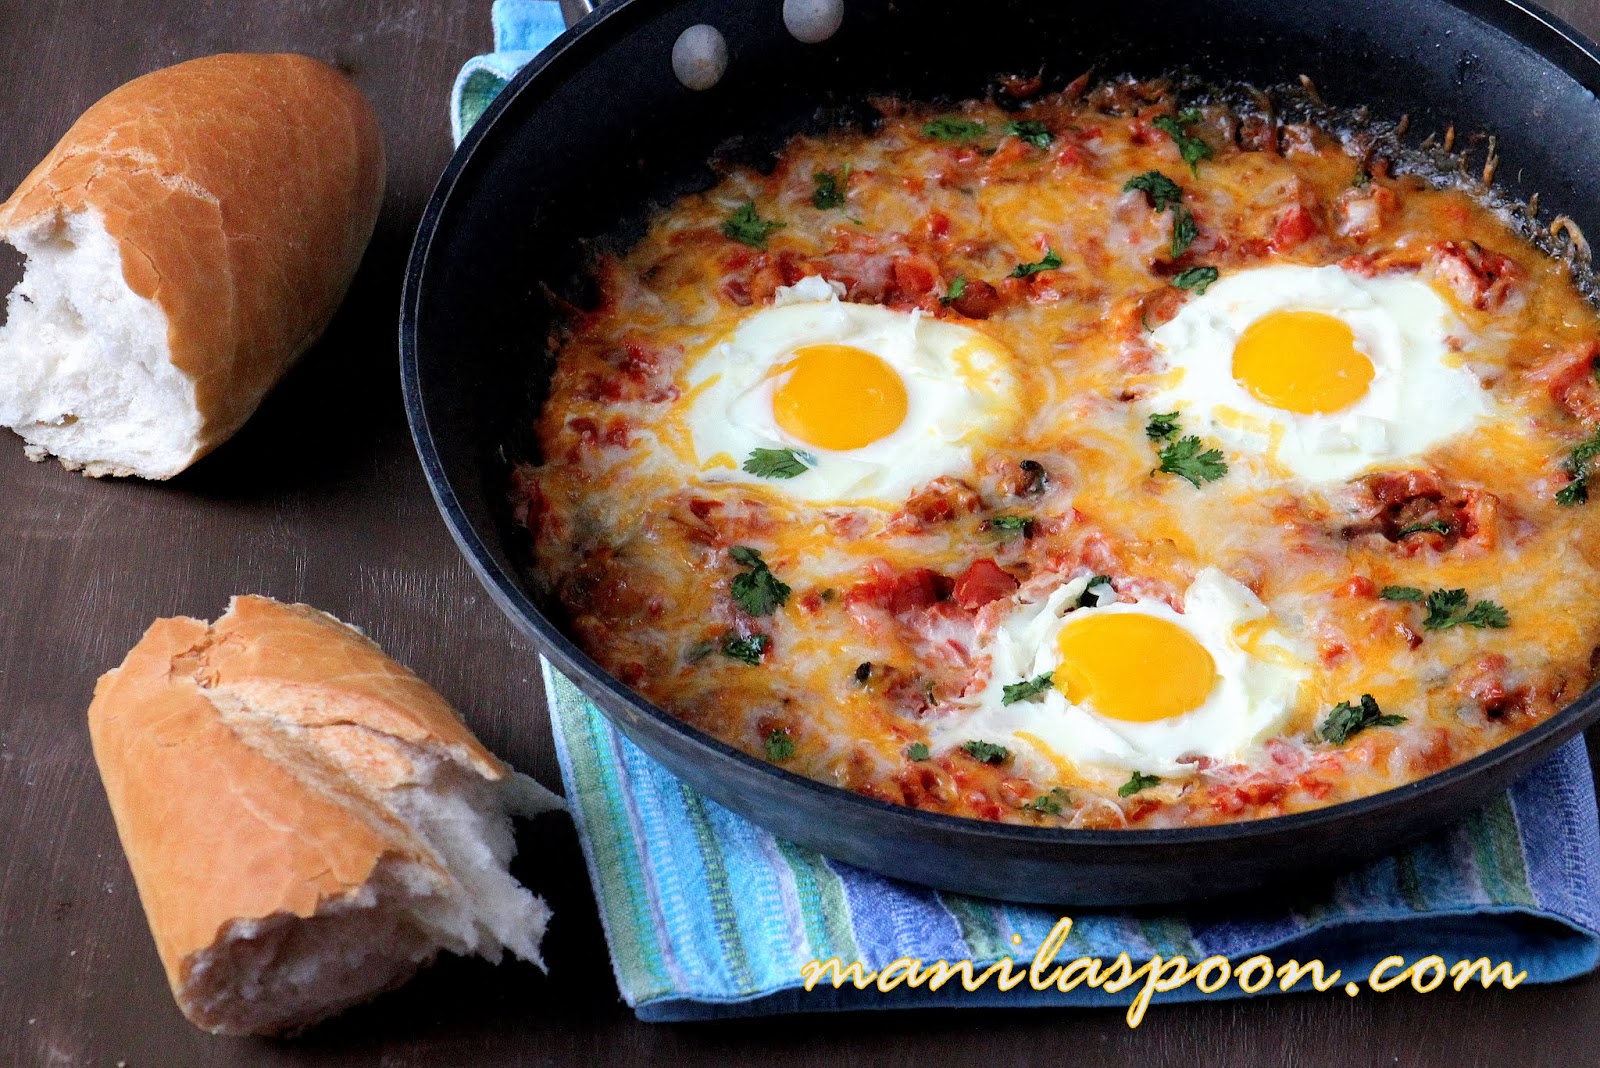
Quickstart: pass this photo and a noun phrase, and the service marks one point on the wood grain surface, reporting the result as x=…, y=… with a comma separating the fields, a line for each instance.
x=320, y=499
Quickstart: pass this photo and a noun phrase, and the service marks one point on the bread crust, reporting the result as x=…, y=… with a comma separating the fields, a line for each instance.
x=221, y=823
x=242, y=191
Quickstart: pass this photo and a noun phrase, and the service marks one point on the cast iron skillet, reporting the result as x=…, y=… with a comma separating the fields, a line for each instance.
x=597, y=130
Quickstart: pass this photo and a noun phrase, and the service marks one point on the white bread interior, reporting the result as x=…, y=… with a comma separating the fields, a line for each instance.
x=308, y=822
x=187, y=240
x=87, y=371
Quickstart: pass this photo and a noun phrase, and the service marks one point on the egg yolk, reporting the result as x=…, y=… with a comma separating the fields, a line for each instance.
x=1302, y=361
x=1133, y=667
x=838, y=397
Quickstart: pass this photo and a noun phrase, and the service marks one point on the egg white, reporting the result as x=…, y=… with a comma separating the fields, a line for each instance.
x=1259, y=673
x=959, y=388
x=1419, y=395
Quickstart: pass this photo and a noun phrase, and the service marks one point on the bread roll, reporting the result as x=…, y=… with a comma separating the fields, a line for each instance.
x=307, y=821
x=187, y=240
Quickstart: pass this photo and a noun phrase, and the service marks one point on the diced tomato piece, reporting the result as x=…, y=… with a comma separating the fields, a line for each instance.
x=1358, y=586
x=899, y=592
x=914, y=278
x=983, y=582
x=1294, y=227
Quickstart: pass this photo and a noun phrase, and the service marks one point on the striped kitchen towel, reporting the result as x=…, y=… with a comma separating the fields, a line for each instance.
x=707, y=915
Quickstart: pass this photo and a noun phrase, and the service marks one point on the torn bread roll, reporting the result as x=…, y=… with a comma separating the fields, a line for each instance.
x=307, y=821
x=189, y=237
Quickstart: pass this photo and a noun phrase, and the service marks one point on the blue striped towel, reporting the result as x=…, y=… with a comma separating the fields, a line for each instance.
x=707, y=915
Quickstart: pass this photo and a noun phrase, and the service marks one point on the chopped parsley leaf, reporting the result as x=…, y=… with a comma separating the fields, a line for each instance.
x=758, y=591
x=1198, y=279
x=745, y=650
x=1162, y=426
x=1033, y=132
x=1088, y=598
x=1433, y=526
x=749, y=228
x=958, y=286
x=1038, y=478
x=831, y=189
x=778, y=463
x=987, y=752
x=1013, y=692
x=1577, y=465
x=1347, y=720
x=1050, y=262
x=917, y=751
x=1191, y=148
x=1163, y=191
x=1400, y=593
x=1187, y=458
x=1449, y=608
x=1140, y=781
x=779, y=745
x=951, y=128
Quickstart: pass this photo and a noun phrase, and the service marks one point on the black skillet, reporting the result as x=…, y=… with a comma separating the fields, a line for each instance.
x=598, y=130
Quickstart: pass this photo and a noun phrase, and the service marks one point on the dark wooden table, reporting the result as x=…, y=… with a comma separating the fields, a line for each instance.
x=320, y=499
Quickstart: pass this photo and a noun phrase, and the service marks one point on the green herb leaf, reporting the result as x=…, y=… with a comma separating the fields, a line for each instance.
x=746, y=226
x=779, y=745
x=1140, y=781
x=1400, y=593
x=958, y=286
x=987, y=752
x=1034, y=133
x=1163, y=191
x=1578, y=462
x=1011, y=524
x=917, y=751
x=1162, y=426
x=1347, y=720
x=1433, y=526
x=1051, y=803
x=779, y=463
x=831, y=189
x=1448, y=609
x=1361, y=179
x=758, y=591
x=1198, y=279
x=952, y=128
x=1050, y=262
x=1088, y=598
x=1191, y=148
x=1184, y=230
x=1013, y=692
x=1186, y=459
x=745, y=650
x=698, y=651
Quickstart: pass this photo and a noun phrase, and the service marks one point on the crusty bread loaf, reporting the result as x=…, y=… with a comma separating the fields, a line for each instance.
x=307, y=821
x=188, y=238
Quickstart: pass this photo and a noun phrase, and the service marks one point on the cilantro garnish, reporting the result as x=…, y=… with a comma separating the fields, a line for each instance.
x=917, y=751
x=779, y=745
x=1164, y=192
x=1198, y=279
x=1433, y=526
x=1050, y=262
x=831, y=189
x=1187, y=458
x=745, y=650
x=1050, y=804
x=1034, y=133
x=1449, y=608
x=1013, y=692
x=1162, y=426
x=1088, y=598
x=958, y=286
x=987, y=752
x=951, y=128
x=1140, y=781
x=1184, y=231
x=1361, y=179
x=1011, y=524
x=746, y=226
x=1400, y=593
x=778, y=463
x=1347, y=720
x=1577, y=465
x=758, y=591
x=1191, y=148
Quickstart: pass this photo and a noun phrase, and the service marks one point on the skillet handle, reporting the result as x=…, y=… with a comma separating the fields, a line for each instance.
x=573, y=10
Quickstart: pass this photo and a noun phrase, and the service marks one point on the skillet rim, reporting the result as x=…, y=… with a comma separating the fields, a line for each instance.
x=576, y=47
